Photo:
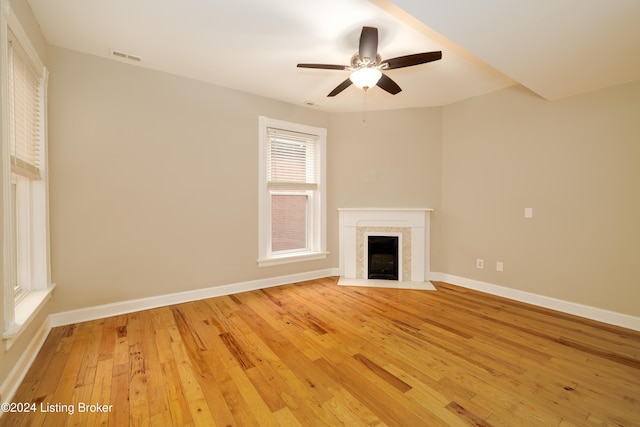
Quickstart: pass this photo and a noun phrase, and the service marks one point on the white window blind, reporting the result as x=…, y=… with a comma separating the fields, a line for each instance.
x=291, y=159
x=24, y=114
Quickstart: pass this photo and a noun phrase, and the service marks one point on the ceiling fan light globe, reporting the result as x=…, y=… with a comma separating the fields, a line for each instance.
x=365, y=77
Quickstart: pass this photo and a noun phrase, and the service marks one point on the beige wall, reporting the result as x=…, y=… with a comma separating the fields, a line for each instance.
x=9, y=358
x=387, y=159
x=153, y=182
x=576, y=163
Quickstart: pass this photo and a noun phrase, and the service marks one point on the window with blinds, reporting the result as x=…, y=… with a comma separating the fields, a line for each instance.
x=291, y=191
x=26, y=226
x=24, y=153
x=24, y=113
x=291, y=173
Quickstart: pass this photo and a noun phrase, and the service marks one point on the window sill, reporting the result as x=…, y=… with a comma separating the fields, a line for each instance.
x=25, y=311
x=289, y=258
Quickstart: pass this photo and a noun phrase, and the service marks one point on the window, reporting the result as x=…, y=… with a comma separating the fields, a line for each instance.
x=292, y=186
x=26, y=250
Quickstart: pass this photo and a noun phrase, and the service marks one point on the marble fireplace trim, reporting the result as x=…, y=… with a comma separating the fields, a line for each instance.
x=411, y=225
x=362, y=234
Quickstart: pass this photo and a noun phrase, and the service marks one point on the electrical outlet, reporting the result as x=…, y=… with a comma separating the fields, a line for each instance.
x=499, y=266
x=480, y=263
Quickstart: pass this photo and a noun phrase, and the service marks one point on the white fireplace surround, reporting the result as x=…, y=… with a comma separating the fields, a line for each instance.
x=411, y=225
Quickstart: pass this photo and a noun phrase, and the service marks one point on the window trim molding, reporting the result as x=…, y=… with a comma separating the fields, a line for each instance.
x=19, y=314
x=317, y=238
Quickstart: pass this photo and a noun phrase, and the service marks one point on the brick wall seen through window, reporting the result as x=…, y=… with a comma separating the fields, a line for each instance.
x=289, y=222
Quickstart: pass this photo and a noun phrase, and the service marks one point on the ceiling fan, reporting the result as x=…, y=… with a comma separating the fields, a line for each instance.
x=366, y=65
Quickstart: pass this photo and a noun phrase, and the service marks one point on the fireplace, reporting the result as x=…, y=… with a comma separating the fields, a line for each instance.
x=385, y=247
x=382, y=258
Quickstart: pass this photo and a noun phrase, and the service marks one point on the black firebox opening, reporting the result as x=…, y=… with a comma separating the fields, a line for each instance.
x=383, y=257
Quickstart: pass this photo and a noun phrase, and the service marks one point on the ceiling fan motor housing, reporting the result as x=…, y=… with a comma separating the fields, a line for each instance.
x=357, y=63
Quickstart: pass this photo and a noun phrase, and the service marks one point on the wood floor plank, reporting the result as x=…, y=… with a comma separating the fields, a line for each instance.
x=286, y=418
x=178, y=406
x=350, y=411
x=101, y=392
x=259, y=409
x=225, y=399
x=295, y=360
x=387, y=407
x=318, y=354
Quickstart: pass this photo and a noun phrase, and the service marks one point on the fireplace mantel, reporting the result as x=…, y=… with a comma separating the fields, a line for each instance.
x=410, y=223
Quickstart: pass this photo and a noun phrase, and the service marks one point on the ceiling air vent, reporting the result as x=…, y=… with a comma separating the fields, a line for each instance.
x=126, y=56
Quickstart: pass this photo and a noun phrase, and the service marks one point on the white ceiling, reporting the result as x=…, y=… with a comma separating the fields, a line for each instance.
x=555, y=48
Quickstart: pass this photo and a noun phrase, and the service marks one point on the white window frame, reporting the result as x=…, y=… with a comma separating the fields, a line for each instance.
x=31, y=203
x=316, y=208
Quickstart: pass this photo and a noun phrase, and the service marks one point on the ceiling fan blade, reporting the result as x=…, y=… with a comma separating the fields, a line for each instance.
x=409, y=60
x=368, y=43
x=342, y=86
x=389, y=85
x=323, y=66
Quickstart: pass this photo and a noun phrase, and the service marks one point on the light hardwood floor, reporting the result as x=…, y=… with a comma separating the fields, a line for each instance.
x=317, y=354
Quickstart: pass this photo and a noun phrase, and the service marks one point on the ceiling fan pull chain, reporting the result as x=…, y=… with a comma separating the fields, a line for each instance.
x=364, y=107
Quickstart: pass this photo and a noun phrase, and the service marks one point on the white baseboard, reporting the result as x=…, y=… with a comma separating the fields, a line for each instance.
x=589, y=312
x=130, y=306
x=10, y=385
